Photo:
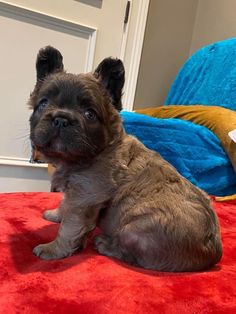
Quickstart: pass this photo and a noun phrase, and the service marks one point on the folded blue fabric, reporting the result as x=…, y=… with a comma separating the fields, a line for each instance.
x=208, y=77
x=192, y=149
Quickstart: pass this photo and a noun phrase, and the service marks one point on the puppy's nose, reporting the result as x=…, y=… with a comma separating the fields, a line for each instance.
x=60, y=122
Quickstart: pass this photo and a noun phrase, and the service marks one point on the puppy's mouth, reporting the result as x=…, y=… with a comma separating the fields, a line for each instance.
x=55, y=145
x=62, y=145
x=51, y=144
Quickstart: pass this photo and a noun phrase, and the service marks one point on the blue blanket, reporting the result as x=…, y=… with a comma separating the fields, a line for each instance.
x=192, y=149
x=208, y=77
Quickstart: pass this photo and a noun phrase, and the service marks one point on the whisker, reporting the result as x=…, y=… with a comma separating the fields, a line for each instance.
x=20, y=137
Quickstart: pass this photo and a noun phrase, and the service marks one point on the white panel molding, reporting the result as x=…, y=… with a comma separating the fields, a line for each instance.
x=45, y=20
x=90, y=51
x=131, y=81
x=20, y=162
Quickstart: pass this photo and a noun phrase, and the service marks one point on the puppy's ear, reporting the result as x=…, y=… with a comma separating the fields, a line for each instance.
x=49, y=60
x=111, y=73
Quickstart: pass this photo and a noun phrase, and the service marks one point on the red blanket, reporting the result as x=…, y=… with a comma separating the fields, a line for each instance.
x=90, y=283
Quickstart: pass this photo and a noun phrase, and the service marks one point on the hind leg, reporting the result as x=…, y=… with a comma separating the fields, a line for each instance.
x=120, y=247
x=108, y=246
x=133, y=245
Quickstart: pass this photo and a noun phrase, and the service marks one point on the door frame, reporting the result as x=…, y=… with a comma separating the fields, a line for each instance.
x=132, y=63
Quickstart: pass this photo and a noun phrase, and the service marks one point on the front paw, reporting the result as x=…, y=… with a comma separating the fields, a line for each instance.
x=49, y=251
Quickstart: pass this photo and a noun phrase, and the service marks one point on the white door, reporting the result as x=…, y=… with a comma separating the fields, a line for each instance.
x=85, y=31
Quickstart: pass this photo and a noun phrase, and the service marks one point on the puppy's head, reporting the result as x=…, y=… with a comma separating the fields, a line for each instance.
x=75, y=116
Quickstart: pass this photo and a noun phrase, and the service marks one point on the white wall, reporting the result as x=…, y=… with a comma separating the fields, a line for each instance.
x=215, y=20
x=22, y=179
x=166, y=46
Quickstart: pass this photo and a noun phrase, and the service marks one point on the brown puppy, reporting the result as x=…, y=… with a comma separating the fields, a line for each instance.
x=149, y=214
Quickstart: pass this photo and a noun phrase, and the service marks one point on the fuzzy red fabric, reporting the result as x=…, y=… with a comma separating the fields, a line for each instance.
x=91, y=283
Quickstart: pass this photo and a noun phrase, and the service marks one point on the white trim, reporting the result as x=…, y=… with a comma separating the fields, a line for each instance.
x=125, y=35
x=35, y=17
x=91, y=51
x=20, y=162
x=131, y=81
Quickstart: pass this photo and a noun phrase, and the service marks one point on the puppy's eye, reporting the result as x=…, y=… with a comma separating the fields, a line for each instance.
x=42, y=104
x=90, y=114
